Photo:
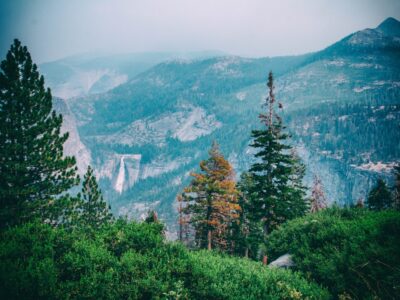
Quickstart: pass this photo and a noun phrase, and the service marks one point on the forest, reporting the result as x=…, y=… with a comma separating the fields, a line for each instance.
x=60, y=244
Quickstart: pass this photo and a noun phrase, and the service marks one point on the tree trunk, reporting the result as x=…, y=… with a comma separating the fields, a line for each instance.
x=246, y=252
x=265, y=260
x=209, y=239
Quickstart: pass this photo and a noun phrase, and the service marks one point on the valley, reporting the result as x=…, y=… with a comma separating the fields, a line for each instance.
x=145, y=123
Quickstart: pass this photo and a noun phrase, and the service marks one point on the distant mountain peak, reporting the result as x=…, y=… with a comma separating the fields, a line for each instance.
x=385, y=36
x=390, y=27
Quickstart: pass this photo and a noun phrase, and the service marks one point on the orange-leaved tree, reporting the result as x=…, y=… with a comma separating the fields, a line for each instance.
x=209, y=205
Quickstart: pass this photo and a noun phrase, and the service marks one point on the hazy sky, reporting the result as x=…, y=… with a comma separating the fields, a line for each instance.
x=54, y=29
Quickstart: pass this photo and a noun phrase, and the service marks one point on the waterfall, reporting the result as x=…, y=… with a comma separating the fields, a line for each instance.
x=121, y=176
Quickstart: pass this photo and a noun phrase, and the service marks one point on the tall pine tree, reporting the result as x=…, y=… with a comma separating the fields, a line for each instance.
x=210, y=203
x=32, y=166
x=277, y=193
x=94, y=210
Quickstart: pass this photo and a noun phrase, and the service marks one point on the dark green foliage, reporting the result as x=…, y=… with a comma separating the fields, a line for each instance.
x=94, y=211
x=248, y=232
x=139, y=237
x=131, y=261
x=379, y=197
x=27, y=268
x=352, y=252
x=32, y=166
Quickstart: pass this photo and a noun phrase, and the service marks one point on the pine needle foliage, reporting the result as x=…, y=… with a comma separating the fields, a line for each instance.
x=94, y=210
x=277, y=193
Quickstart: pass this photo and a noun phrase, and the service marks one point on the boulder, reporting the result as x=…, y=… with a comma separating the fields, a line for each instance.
x=284, y=261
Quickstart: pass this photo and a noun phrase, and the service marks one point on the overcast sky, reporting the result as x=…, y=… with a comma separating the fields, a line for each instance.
x=54, y=29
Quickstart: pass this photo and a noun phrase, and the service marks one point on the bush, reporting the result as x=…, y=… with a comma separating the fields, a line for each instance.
x=353, y=252
x=222, y=277
x=131, y=261
x=27, y=268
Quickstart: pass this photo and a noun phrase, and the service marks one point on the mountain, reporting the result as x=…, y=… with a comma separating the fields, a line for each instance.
x=341, y=104
x=163, y=121
x=91, y=73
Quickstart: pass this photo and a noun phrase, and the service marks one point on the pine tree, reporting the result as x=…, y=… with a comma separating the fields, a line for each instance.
x=318, y=201
x=278, y=193
x=94, y=210
x=210, y=202
x=379, y=197
x=32, y=166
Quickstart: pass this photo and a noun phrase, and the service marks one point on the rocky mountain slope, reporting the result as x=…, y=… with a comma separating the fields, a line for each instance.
x=73, y=146
x=341, y=104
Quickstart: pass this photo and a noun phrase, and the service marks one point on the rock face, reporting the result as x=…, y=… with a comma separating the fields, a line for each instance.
x=284, y=261
x=73, y=146
x=186, y=124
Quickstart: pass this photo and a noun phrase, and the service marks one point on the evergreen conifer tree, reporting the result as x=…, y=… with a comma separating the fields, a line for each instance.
x=94, y=210
x=379, y=197
x=211, y=202
x=277, y=193
x=32, y=166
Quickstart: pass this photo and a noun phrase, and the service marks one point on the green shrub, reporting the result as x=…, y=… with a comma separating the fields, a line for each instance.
x=27, y=268
x=89, y=271
x=223, y=277
x=122, y=236
x=131, y=261
x=352, y=252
